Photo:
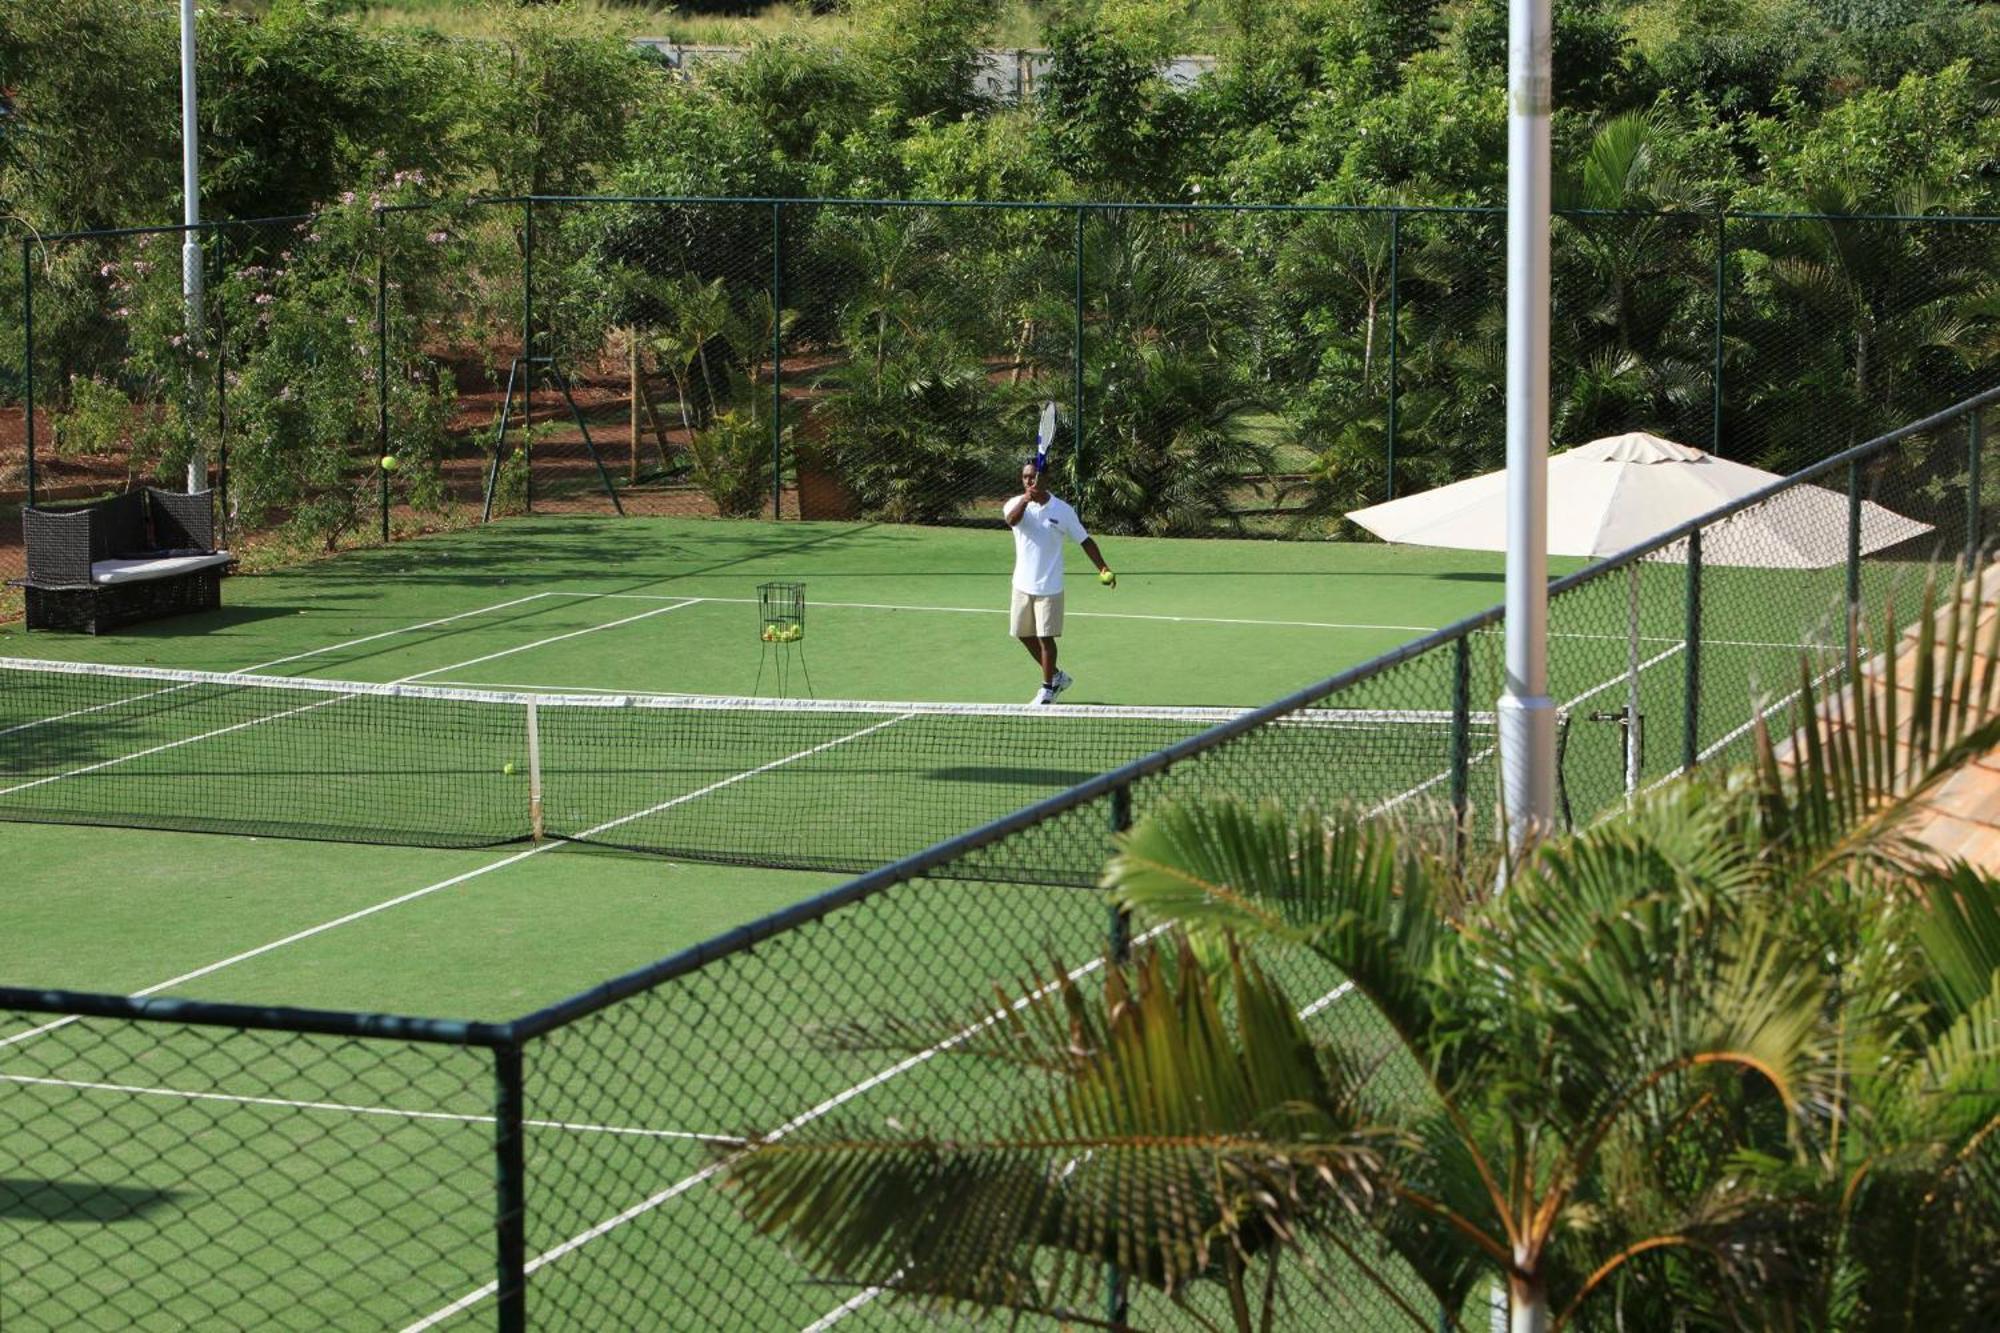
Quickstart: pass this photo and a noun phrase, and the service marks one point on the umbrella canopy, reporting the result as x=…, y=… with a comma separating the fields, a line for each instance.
x=1612, y=494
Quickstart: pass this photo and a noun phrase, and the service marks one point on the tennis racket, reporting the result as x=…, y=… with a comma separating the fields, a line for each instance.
x=1045, y=436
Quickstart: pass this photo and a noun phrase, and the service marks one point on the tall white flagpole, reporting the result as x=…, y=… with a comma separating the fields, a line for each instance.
x=1526, y=715
x=197, y=473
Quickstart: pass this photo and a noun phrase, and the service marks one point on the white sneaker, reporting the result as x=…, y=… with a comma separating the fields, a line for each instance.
x=1062, y=682
x=1043, y=695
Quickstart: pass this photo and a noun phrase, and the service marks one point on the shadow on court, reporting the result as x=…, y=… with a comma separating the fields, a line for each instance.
x=23, y=1199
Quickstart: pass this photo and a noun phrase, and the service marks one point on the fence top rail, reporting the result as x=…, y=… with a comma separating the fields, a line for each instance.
x=1865, y=450
x=1039, y=205
x=167, y=228
x=261, y=1018
x=1171, y=206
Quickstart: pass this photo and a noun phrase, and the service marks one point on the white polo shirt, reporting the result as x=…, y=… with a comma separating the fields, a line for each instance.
x=1038, y=545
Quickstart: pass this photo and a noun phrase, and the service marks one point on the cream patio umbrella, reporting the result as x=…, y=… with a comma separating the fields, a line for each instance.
x=1618, y=492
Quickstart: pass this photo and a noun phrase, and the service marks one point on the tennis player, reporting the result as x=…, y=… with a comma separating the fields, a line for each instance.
x=1041, y=521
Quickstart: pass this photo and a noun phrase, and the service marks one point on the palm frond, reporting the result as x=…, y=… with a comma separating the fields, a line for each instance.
x=1369, y=896
x=1193, y=1117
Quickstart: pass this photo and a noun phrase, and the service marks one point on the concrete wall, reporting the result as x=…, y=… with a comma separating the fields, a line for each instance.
x=1003, y=75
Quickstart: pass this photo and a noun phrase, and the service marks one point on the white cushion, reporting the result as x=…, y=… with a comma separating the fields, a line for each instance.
x=138, y=571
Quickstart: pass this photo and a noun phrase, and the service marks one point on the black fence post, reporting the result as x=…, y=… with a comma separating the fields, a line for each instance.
x=510, y=1172
x=1461, y=741
x=1853, y=554
x=1721, y=305
x=220, y=342
x=1395, y=325
x=1117, y=1302
x=777, y=361
x=1076, y=363
x=382, y=367
x=28, y=353
x=527, y=357
x=1975, y=432
x=1691, y=710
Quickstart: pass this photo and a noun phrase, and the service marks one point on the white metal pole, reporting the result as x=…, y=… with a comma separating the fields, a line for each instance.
x=1526, y=715
x=197, y=473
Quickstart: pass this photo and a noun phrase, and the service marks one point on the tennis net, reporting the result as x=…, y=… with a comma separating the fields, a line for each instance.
x=823, y=785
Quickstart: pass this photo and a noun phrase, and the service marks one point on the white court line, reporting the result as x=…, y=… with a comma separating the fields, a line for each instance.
x=1671, y=638
x=316, y=704
x=347, y=1108
x=1001, y=611
x=799, y=1121
x=845, y=1308
x=279, y=661
x=501, y=864
x=543, y=687
x=543, y=643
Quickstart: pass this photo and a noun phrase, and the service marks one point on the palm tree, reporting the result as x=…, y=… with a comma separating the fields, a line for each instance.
x=1728, y=1056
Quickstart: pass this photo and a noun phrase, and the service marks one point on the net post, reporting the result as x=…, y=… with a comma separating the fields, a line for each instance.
x=1116, y=1301
x=511, y=1193
x=1461, y=742
x=1395, y=323
x=1853, y=553
x=777, y=361
x=1691, y=650
x=382, y=366
x=534, y=770
x=1974, y=445
x=28, y=353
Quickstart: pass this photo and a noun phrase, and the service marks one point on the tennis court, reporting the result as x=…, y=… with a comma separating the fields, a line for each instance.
x=398, y=662
x=555, y=610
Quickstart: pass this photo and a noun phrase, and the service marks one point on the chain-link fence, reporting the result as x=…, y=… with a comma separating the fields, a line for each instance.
x=1218, y=370
x=224, y=1167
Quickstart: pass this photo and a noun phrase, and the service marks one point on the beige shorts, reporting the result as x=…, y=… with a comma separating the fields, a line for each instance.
x=1037, y=617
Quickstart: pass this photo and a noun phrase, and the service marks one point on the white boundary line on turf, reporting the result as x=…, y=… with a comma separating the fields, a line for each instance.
x=1706, y=642
x=490, y=867
x=1001, y=611
x=543, y=643
x=280, y=661
x=392, y=1112
x=798, y=1121
x=316, y=704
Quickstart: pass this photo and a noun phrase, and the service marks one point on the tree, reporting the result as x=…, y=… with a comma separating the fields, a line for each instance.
x=1168, y=329
x=1725, y=1058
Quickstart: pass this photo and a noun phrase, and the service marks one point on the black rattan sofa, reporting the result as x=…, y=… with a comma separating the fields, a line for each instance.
x=133, y=557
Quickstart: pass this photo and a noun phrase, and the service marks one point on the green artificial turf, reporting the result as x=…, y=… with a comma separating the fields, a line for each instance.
x=182, y=1176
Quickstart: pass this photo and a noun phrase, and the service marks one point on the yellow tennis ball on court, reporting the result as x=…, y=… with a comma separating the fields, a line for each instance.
x=508, y=768
x=388, y=462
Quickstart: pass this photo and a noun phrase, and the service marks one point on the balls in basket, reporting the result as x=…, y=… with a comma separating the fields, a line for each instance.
x=792, y=633
x=770, y=634
x=388, y=462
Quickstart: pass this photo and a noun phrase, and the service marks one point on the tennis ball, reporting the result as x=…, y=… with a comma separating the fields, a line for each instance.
x=1107, y=578
x=388, y=462
x=770, y=634
x=508, y=768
